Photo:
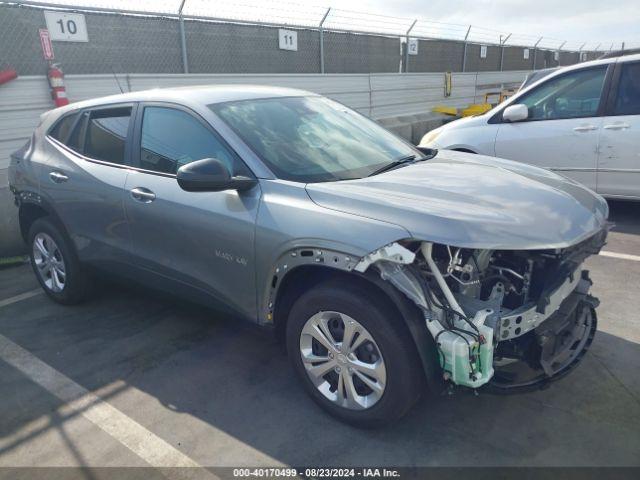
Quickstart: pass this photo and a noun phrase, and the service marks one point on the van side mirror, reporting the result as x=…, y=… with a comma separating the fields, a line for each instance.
x=210, y=175
x=515, y=113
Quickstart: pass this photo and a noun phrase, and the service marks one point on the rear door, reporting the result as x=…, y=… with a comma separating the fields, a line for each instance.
x=84, y=180
x=201, y=240
x=561, y=133
x=619, y=156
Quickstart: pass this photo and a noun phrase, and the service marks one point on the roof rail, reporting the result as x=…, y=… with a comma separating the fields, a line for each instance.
x=619, y=53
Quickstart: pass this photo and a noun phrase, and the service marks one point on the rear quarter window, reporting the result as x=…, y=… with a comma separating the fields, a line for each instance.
x=62, y=128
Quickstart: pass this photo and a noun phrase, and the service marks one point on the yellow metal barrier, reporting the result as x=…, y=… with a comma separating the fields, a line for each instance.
x=475, y=108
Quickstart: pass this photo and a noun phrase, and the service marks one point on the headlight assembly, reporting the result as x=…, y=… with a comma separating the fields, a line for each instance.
x=430, y=137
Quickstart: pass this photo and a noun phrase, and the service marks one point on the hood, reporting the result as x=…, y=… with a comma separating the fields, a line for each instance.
x=473, y=201
x=431, y=137
x=466, y=122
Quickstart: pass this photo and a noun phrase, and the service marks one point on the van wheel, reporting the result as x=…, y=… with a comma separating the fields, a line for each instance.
x=353, y=354
x=56, y=264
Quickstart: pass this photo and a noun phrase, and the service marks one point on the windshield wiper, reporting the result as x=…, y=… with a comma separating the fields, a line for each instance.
x=395, y=164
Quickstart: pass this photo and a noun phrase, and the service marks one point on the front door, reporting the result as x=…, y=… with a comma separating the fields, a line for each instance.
x=203, y=240
x=619, y=159
x=561, y=132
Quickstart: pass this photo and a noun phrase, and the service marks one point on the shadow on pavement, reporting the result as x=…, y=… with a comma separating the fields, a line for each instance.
x=210, y=377
x=625, y=215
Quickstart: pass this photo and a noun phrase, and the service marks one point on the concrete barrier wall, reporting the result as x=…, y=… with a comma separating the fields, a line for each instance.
x=401, y=102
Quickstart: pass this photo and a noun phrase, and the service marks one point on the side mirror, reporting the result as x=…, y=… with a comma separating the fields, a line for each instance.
x=210, y=175
x=515, y=113
x=429, y=152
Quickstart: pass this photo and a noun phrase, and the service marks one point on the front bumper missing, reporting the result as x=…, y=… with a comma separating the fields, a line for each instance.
x=521, y=321
x=551, y=350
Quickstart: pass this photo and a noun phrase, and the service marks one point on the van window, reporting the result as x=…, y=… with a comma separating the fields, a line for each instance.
x=107, y=133
x=628, y=98
x=574, y=95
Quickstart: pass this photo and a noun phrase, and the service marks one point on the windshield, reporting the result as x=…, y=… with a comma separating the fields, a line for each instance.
x=313, y=139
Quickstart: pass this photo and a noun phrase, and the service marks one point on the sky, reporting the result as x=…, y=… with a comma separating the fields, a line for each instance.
x=572, y=20
x=575, y=21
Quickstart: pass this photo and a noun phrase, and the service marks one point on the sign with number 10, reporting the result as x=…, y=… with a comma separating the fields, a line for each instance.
x=66, y=27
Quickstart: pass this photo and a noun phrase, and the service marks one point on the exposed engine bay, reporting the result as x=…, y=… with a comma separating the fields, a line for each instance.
x=508, y=319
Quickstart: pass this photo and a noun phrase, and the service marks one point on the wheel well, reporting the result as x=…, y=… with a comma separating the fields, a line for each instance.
x=294, y=284
x=301, y=279
x=304, y=278
x=28, y=214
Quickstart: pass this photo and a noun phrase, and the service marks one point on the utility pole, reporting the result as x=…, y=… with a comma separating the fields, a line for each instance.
x=321, y=29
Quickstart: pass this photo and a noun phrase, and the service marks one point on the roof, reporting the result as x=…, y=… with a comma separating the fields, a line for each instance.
x=202, y=94
x=555, y=71
x=620, y=53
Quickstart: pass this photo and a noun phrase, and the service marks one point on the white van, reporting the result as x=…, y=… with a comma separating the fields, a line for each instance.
x=582, y=121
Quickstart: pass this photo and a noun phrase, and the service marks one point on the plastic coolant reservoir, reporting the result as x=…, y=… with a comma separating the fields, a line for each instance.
x=467, y=371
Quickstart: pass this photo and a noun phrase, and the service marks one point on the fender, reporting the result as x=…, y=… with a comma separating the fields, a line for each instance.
x=292, y=259
x=26, y=200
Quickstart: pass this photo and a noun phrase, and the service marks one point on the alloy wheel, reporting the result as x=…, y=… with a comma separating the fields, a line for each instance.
x=49, y=262
x=343, y=360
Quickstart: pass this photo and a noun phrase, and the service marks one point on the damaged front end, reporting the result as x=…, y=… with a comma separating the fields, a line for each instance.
x=504, y=319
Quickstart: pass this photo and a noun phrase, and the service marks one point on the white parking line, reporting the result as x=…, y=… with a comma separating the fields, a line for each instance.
x=22, y=296
x=621, y=256
x=79, y=401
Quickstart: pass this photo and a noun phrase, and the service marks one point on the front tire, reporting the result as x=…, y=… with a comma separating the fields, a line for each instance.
x=56, y=264
x=353, y=354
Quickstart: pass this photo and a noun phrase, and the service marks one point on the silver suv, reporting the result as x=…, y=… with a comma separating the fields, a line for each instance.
x=383, y=267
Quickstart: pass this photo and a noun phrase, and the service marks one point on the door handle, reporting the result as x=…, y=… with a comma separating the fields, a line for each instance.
x=143, y=195
x=584, y=128
x=616, y=126
x=57, y=177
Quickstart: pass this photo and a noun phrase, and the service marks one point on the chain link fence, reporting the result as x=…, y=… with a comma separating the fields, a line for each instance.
x=198, y=36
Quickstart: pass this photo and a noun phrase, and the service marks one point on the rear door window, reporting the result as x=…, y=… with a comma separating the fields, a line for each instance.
x=106, y=134
x=628, y=96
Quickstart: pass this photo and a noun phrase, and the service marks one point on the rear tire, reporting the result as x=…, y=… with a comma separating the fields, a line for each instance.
x=386, y=376
x=55, y=263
